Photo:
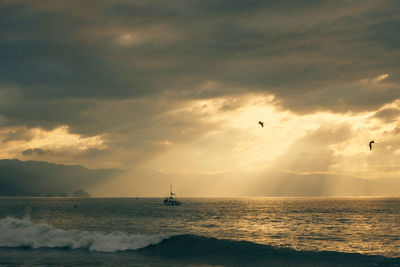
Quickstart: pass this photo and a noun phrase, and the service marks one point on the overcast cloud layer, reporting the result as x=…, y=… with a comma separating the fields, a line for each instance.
x=125, y=80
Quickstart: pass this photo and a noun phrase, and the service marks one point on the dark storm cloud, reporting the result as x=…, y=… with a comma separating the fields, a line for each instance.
x=34, y=151
x=68, y=60
x=90, y=156
x=17, y=135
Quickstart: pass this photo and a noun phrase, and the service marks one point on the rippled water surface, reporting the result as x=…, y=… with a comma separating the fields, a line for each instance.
x=362, y=225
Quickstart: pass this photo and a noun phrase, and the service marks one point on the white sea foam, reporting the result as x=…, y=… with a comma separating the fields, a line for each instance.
x=24, y=233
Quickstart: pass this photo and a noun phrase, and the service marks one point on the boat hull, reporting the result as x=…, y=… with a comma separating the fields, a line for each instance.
x=171, y=202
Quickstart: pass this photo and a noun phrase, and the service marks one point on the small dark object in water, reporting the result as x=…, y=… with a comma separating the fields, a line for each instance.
x=75, y=206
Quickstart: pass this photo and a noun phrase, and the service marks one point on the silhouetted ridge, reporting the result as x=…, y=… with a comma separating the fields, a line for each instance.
x=37, y=178
x=80, y=193
x=9, y=190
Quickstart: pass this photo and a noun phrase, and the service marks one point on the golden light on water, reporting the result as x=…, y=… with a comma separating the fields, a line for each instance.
x=273, y=123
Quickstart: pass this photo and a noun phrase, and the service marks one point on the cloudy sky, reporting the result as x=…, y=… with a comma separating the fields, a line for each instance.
x=172, y=91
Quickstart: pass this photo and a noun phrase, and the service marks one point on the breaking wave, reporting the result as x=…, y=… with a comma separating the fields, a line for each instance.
x=212, y=251
x=184, y=248
x=24, y=233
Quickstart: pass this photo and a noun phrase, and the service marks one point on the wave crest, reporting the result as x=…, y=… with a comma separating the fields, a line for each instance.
x=24, y=233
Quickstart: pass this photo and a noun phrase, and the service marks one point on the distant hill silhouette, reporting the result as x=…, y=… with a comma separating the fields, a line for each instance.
x=37, y=178
x=10, y=190
x=80, y=193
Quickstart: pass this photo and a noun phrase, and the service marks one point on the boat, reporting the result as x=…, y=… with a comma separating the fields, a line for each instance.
x=171, y=200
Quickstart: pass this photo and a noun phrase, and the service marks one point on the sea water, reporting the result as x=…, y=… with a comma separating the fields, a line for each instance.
x=200, y=232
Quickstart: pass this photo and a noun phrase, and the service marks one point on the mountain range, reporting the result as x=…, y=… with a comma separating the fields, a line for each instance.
x=37, y=178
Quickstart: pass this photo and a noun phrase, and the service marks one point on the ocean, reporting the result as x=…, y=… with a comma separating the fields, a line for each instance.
x=200, y=232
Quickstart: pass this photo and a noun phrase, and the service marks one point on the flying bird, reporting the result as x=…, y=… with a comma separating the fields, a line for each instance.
x=370, y=144
x=261, y=123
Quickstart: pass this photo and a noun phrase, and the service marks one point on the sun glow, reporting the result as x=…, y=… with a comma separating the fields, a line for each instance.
x=61, y=137
x=56, y=140
x=381, y=77
x=233, y=141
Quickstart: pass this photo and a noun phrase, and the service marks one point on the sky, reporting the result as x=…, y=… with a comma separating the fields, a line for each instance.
x=172, y=92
